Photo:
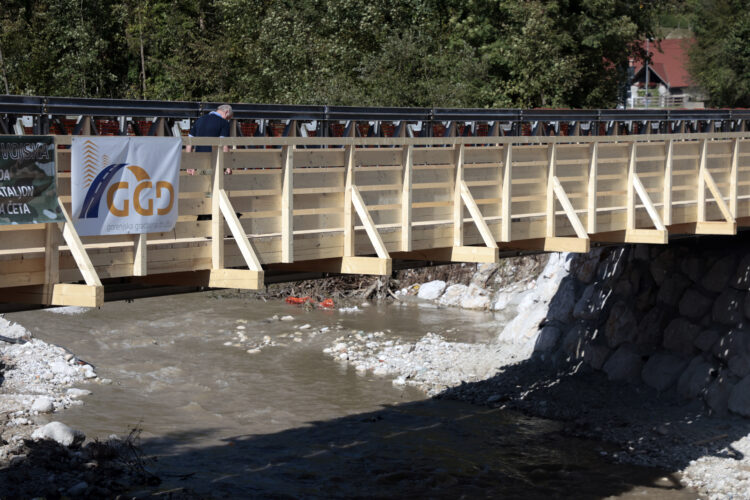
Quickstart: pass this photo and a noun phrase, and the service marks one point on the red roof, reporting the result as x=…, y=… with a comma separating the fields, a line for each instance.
x=669, y=60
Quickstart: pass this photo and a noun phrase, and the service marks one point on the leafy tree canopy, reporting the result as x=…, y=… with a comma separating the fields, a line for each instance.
x=449, y=53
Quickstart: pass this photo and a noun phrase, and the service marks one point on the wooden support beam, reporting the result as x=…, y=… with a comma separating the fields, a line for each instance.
x=630, y=222
x=554, y=244
x=248, y=253
x=650, y=236
x=407, y=162
x=340, y=265
x=550, y=205
x=646, y=200
x=733, y=178
x=702, y=181
x=591, y=195
x=506, y=193
x=52, y=254
x=476, y=216
x=348, y=213
x=458, y=207
x=140, y=255
x=568, y=208
x=58, y=294
x=217, y=223
x=77, y=250
x=452, y=254
x=236, y=278
x=667, y=196
x=372, y=232
x=287, y=204
x=709, y=181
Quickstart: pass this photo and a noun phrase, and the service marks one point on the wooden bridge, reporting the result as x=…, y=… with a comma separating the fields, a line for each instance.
x=356, y=205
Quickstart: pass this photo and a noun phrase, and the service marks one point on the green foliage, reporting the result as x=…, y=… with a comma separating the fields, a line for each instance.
x=720, y=58
x=447, y=53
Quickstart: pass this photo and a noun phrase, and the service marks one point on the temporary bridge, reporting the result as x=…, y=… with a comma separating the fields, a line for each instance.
x=319, y=189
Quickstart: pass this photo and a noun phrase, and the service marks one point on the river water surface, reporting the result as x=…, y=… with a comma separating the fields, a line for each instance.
x=287, y=421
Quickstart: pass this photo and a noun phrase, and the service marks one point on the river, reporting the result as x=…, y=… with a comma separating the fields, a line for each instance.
x=285, y=420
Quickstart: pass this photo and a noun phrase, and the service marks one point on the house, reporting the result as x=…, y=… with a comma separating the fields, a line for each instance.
x=666, y=77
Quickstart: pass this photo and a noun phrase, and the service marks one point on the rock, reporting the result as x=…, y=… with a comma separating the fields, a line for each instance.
x=693, y=267
x=680, y=335
x=592, y=303
x=77, y=393
x=624, y=365
x=431, y=290
x=78, y=489
x=587, y=270
x=728, y=307
x=595, y=354
x=651, y=329
x=60, y=433
x=717, y=394
x=43, y=405
x=741, y=278
x=452, y=295
x=287, y=318
x=484, y=272
x=662, y=266
x=696, y=378
x=739, y=398
x=735, y=341
x=718, y=276
x=621, y=325
x=694, y=305
x=63, y=369
x=739, y=364
x=706, y=339
x=641, y=252
x=662, y=370
x=88, y=371
x=576, y=338
x=547, y=339
x=475, y=298
x=672, y=289
x=612, y=265
x=562, y=303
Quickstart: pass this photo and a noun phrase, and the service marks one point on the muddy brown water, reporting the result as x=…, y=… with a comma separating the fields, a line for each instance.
x=290, y=422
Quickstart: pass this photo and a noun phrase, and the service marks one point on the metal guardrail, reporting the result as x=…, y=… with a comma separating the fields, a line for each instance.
x=45, y=110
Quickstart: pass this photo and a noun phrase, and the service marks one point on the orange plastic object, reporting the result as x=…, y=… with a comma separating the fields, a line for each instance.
x=298, y=300
x=328, y=304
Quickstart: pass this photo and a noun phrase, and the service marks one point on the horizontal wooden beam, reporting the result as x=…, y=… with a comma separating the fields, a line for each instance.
x=214, y=278
x=340, y=265
x=452, y=254
x=58, y=294
x=552, y=244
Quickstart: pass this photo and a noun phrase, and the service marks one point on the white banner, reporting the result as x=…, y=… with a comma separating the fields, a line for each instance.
x=125, y=185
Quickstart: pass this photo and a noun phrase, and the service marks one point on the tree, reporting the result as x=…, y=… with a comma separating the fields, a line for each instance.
x=720, y=58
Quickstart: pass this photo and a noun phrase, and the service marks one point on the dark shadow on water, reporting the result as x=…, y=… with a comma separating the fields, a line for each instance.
x=438, y=448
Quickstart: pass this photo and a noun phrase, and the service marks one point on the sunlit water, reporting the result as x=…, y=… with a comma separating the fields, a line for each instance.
x=291, y=421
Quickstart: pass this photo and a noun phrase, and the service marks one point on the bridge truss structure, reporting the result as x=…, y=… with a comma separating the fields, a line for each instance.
x=366, y=203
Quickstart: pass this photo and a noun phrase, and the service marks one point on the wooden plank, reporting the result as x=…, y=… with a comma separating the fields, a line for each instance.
x=709, y=180
x=52, y=254
x=472, y=254
x=646, y=200
x=651, y=236
x=476, y=215
x=140, y=255
x=631, y=188
x=568, y=208
x=78, y=251
x=366, y=265
x=364, y=216
x=348, y=213
x=716, y=227
x=406, y=198
x=236, y=278
x=217, y=223
x=667, y=196
x=701, y=182
x=505, y=193
x=733, y=178
x=239, y=235
x=58, y=294
x=287, y=205
x=591, y=200
x=550, y=205
x=458, y=207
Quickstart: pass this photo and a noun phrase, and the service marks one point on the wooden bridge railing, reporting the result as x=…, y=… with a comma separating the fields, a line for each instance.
x=351, y=205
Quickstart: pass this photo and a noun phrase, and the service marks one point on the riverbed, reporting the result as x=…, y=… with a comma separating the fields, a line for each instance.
x=235, y=398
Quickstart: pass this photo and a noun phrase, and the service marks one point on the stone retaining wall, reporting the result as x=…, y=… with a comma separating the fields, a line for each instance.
x=676, y=318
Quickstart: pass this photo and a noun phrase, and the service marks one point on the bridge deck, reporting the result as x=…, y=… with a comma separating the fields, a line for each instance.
x=354, y=205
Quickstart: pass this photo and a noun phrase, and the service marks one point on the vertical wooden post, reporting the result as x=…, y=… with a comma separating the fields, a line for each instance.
x=140, y=255
x=667, y=196
x=217, y=222
x=458, y=206
x=506, y=193
x=287, y=204
x=51, y=259
x=593, y=172
x=348, y=212
x=702, y=182
x=406, y=197
x=733, y=178
x=631, y=187
x=550, y=211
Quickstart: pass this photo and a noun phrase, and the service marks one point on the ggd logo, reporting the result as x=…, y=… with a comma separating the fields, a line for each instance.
x=119, y=206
